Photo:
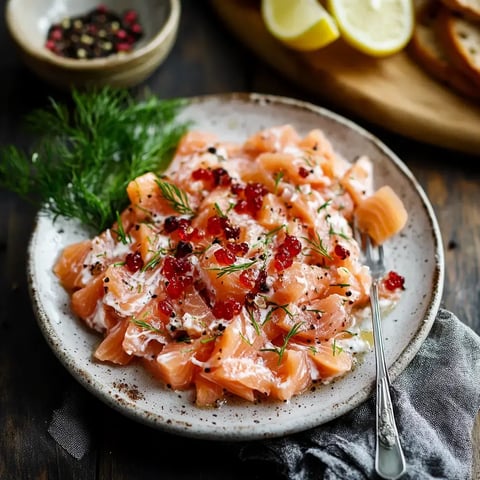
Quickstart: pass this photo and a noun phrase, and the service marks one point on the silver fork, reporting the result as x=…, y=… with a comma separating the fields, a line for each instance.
x=389, y=458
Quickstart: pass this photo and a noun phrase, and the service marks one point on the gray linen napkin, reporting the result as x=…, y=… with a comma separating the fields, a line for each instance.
x=436, y=399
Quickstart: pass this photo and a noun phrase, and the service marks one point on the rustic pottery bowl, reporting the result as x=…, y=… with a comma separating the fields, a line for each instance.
x=28, y=24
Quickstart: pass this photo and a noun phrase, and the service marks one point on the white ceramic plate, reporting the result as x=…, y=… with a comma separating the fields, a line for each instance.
x=416, y=253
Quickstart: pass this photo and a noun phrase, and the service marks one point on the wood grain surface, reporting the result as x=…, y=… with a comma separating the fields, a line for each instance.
x=393, y=92
x=34, y=384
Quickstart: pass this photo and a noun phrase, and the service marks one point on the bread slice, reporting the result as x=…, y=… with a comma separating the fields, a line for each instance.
x=468, y=8
x=461, y=40
x=427, y=49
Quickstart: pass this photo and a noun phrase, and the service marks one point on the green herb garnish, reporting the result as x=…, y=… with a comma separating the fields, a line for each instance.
x=176, y=197
x=324, y=205
x=277, y=178
x=335, y=348
x=145, y=325
x=331, y=231
x=120, y=231
x=88, y=150
x=281, y=350
x=236, y=267
x=317, y=246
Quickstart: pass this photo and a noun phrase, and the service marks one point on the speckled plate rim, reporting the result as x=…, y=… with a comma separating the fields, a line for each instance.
x=250, y=421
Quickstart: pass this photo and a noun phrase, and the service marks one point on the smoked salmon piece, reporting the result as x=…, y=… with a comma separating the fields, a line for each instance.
x=330, y=360
x=110, y=349
x=69, y=267
x=292, y=375
x=85, y=301
x=381, y=215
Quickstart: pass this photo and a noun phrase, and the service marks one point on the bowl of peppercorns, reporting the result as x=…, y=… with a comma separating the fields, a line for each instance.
x=83, y=43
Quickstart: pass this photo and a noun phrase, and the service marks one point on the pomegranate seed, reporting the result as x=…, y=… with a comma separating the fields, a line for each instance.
x=282, y=263
x=247, y=279
x=293, y=245
x=237, y=189
x=170, y=267
x=241, y=207
x=196, y=235
x=203, y=174
x=231, y=233
x=122, y=34
x=183, y=265
x=214, y=225
x=134, y=262
x=261, y=282
x=221, y=177
x=224, y=257
x=184, y=230
x=226, y=309
x=170, y=224
x=394, y=281
x=303, y=172
x=165, y=309
x=341, y=252
x=240, y=249
x=174, y=288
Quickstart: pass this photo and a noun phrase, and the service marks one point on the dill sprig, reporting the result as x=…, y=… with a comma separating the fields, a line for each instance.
x=317, y=246
x=120, y=231
x=176, y=197
x=336, y=349
x=236, y=267
x=281, y=350
x=145, y=325
x=87, y=151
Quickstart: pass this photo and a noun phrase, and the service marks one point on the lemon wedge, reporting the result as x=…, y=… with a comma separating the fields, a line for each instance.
x=299, y=24
x=375, y=27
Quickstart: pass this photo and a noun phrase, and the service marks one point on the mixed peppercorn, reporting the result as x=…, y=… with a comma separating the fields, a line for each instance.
x=98, y=33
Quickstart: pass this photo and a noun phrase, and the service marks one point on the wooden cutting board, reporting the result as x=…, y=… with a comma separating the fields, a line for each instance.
x=392, y=92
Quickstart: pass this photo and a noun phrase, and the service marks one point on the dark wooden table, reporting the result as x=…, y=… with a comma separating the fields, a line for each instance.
x=33, y=383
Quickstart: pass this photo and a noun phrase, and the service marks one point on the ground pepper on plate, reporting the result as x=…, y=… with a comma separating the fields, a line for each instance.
x=98, y=33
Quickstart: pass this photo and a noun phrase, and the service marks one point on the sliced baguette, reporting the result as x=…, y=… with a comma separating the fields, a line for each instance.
x=427, y=49
x=461, y=39
x=468, y=8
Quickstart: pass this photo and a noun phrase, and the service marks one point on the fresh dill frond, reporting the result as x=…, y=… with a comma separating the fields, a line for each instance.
x=280, y=351
x=175, y=196
x=335, y=348
x=275, y=307
x=87, y=151
x=277, y=178
x=324, y=206
x=331, y=231
x=144, y=325
x=317, y=246
x=156, y=258
x=236, y=267
x=120, y=231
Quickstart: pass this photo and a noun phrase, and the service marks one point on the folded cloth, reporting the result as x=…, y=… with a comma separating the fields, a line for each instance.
x=436, y=399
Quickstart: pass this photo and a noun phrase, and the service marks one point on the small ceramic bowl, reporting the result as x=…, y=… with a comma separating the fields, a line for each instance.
x=29, y=22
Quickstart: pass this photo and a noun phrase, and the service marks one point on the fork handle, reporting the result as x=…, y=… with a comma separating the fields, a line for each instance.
x=389, y=458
